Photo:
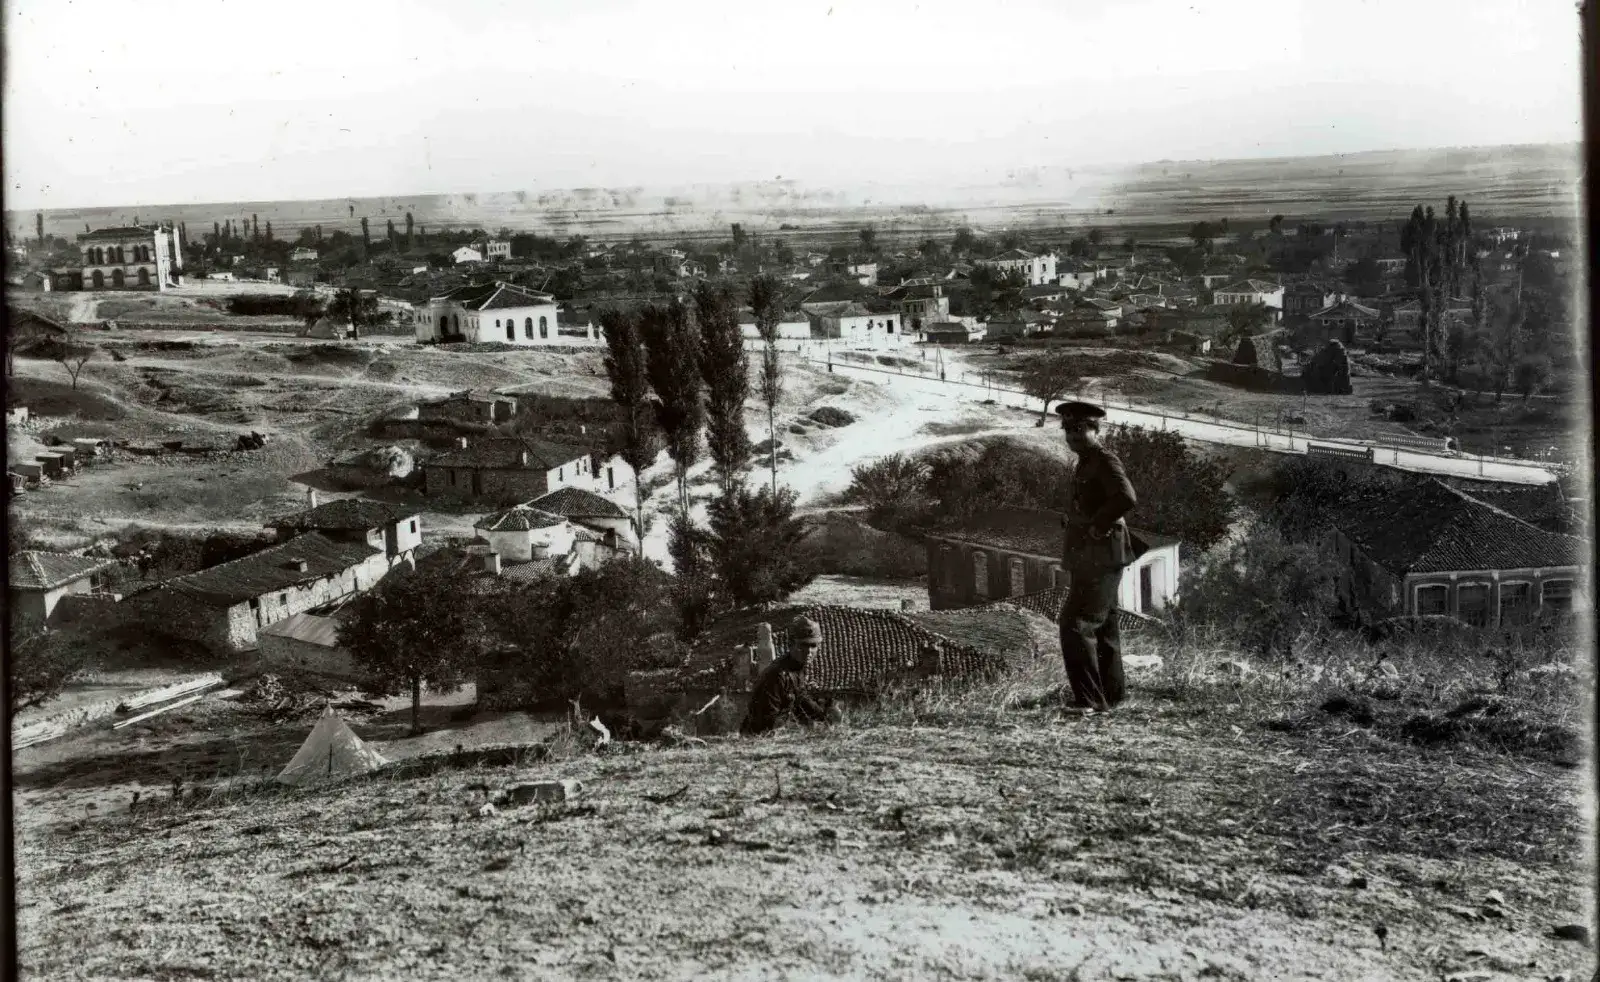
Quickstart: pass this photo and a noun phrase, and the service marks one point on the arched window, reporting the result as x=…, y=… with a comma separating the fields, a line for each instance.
x=144, y=276
x=980, y=574
x=117, y=279
x=511, y=329
x=544, y=327
x=98, y=279
x=98, y=256
x=527, y=328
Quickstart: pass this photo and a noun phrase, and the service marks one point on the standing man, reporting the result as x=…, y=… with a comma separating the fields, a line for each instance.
x=781, y=692
x=1097, y=548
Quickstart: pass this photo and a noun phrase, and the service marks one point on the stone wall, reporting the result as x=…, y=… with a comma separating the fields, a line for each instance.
x=280, y=654
x=492, y=486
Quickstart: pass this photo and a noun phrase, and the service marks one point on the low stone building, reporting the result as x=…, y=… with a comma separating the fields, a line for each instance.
x=395, y=530
x=37, y=581
x=371, y=467
x=307, y=642
x=1431, y=549
x=482, y=408
x=1015, y=552
x=505, y=470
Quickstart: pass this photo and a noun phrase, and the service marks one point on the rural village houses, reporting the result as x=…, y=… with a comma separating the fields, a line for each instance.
x=38, y=580
x=1037, y=270
x=1434, y=549
x=325, y=554
x=1014, y=552
x=511, y=469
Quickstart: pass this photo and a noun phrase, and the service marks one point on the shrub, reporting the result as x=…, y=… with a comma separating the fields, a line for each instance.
x=42, y=664
x=891, y=488
x=1265, y=589
x=831, y=416
x=302, y=305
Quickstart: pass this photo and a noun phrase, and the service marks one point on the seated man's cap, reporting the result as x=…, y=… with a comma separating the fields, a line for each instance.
x=804, y=629
x=1080, y=410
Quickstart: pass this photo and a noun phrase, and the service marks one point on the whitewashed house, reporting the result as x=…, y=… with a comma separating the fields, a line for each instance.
x=496, y=311
x=467, y=254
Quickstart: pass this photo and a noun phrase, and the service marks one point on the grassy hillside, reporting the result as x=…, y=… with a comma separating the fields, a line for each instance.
x=1225, y=824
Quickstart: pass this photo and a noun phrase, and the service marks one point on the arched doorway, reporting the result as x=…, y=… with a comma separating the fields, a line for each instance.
x=98, y=279
x=444, y=325
x=511, y=329
x=117, y=279
x=144, y=276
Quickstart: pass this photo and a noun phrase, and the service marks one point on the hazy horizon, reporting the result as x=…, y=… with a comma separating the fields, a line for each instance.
x=215, y=103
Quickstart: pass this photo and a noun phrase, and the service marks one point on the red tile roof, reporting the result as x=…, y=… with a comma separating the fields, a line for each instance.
x=506, y=453
x=273, y=568
x=578, y=503
x=497, y=296
x=518, y=519
x=1034, y=531
x=1434, y=528
x=1048, y=604
x=48, y=570
x=345, y=515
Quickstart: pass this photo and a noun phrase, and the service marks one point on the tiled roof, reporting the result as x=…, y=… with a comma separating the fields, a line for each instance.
x=272, y=568
x=578, y=503
x=835, y=293
x=1540, y=505
x=310, y=628
x=1047, y=603
x=946, y=327
x=1013, y=254
x=1432, y=528
x=1034, y=531
x=518, y=519
x=48, y=570
x=1006, y=631
x=496, y=296
x=1346, y=307
x=1251, y=286
x=120, y=232
x=535, y=569
x=506, y=453
x=345, y=514
x=862, y=648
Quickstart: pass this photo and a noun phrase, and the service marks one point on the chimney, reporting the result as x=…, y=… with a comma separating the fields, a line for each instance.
x=491, y=563
x=311, y=497
x=461, y=443
x=298, y=565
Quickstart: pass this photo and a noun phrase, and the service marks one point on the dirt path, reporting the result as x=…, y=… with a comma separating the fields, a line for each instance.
x=83, y=309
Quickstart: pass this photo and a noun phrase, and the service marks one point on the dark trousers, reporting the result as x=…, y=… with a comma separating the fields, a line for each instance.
x=1091, y=640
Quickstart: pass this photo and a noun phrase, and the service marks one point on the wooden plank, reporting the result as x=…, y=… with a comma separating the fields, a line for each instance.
x=173, y=691
x=157, y=712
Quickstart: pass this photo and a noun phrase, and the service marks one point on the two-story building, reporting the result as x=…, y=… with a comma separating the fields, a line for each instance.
x=1345, y=321
x=1014, y=552
x=505, y=470
x=919, y=304
x=499, y=311
x=1301, y=300
x=1037, y=270
x=1252, y=292
x=497, y=249
x=1430, y=549
x=132, y=257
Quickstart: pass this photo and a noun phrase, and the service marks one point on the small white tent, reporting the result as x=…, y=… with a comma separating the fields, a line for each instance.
x=331, y=753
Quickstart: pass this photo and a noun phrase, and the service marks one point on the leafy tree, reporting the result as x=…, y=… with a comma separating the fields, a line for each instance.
x=726, y=373
x=38, y=226
x=931, y=250
x=869, y=240
x=269, y=230
x=1010, y=240
x=634, y=438
x=42, y=663
x=1299, y=494
x=1180, y=493
x=410, y=227
x=1096, y=237
x=255, y=228
x=1530, y=375
x=1247, y=320
x=890, y=487
x=577, y=637
x=417, y=628
x=1203, y=234
x=1263, y=589
x=366, y=237
x=72, y=353
x=1364, y=276
x=1050, y=377
x=390, y=235
x=969, y=480
x=359, y=307
x=740, y=239
x=672, y=349
x=1275, y=225
x=766, y=302
x=964, y=241
x=754, y=545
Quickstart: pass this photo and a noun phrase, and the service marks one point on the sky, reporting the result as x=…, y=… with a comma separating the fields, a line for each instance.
x=112, y=102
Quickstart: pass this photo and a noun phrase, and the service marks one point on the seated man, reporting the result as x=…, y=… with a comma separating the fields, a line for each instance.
x=780, y=693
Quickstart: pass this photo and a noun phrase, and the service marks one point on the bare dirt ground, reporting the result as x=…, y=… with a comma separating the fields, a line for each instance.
x=1177, y=839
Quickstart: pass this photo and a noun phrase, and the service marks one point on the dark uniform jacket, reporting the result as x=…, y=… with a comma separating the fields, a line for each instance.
x=779, y=694
x=1101, y=496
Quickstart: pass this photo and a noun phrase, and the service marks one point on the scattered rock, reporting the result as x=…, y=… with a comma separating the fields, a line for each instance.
x=486, y=811
x=542, y=792
x=1571, y=932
